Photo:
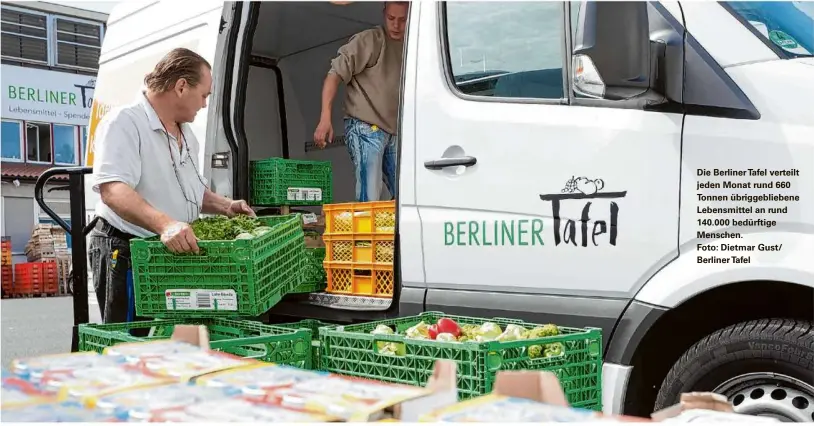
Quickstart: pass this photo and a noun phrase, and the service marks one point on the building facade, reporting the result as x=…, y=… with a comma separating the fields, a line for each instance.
x=50, y=57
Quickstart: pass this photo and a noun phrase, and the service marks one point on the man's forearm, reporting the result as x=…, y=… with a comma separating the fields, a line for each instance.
x=215, y=203
x=130, y=206
x=329, y=89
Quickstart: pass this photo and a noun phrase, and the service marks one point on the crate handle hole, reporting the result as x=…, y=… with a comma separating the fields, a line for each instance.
x=493, y=361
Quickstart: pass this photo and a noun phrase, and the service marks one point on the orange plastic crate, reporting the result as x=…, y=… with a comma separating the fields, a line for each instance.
x=360, y=248
x=362, y=280
x=7, y=275
x=35, y=278
x=5, y=252
x=374, y=217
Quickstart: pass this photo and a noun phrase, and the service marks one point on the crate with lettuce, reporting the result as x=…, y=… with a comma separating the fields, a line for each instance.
x=403, y=350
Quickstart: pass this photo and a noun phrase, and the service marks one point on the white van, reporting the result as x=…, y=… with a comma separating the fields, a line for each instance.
x=646, y=168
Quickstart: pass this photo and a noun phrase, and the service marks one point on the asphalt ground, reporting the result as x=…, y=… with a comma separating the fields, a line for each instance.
x=38, y=326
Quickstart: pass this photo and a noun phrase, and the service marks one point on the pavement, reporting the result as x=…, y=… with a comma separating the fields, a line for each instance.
x=39, y=326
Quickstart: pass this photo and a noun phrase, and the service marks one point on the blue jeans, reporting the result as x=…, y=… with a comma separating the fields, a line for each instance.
x=373, y=153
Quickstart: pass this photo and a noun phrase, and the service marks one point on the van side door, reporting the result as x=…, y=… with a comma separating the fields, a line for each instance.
x=533, y=205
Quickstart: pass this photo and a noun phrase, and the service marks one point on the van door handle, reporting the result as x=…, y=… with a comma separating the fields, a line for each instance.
x=449, y=162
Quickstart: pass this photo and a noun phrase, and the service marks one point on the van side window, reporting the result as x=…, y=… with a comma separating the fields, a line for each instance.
x=506, y=49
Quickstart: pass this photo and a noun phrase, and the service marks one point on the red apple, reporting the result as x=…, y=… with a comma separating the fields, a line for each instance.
x=446, y=325
x=432, y=331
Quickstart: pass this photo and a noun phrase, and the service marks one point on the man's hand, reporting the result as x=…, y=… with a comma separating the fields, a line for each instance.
x=324, y=134
x=179, y=238
x=237, y=207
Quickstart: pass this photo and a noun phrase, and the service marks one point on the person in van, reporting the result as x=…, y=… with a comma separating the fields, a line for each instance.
x=147, y=173
x=370, y=65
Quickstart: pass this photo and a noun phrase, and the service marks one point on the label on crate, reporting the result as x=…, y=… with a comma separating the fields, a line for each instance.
x=309, y=218
x=201, y=300
x=304, y=194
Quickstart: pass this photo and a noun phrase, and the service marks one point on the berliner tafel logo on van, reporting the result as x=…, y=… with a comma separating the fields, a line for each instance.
x=594, y=210
x=584, y=194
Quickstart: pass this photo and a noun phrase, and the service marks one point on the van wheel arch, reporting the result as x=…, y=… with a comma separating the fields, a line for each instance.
x=763, y=366
x=667, y=337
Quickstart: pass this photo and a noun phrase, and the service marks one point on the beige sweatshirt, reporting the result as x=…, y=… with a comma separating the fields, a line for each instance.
x=375, y=60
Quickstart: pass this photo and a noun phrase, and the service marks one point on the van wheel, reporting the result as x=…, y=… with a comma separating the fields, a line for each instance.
x=763, y=367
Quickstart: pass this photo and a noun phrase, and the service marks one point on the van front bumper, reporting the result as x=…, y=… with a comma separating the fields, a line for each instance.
x=614, y=386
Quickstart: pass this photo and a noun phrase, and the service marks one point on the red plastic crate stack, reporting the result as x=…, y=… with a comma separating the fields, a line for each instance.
x=6, y=270
x=35, y=279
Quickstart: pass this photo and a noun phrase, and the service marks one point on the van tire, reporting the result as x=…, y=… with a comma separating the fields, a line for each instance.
x=779, y=346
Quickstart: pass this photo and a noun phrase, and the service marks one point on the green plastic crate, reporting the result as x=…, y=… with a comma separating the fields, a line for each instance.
x=238, y=278
x=313, y=273
x=247, y=339
x=352, y=350
x=313, y=327
x=282, y=182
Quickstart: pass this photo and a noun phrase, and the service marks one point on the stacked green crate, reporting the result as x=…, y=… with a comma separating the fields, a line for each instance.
x=228, y=280
x=235, y=278
x=313, y=273
x=248, y=339
x=283, y=182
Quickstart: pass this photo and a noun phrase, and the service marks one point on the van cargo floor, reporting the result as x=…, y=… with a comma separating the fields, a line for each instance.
x=347, y=302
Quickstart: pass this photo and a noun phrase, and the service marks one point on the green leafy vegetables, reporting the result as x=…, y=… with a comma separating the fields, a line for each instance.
x=222, y=228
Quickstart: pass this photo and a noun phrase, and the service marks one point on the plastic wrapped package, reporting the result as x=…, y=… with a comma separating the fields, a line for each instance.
x=144, y=404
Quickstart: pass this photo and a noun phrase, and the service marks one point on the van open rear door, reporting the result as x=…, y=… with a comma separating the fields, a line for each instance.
x=132, y=46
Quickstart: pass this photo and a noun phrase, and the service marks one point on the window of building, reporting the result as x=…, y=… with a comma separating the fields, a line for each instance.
x=506, y=49
x=52, y=40
x=65, y=144
x=24, y=35
x=78, y=43
x=38, y=142
x=12, y=140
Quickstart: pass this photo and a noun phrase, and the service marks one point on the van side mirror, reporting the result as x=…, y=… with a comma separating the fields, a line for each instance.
x=612, y=50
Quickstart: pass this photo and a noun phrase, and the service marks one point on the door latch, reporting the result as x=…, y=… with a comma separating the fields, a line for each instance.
x=220, y=160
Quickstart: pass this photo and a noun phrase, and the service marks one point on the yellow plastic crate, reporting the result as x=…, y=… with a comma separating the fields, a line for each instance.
x=374, y=217
x=360, y=248
x=359, y=279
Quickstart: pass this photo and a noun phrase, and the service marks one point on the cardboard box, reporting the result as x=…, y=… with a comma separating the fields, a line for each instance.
x=536, y=396
x=334, y=396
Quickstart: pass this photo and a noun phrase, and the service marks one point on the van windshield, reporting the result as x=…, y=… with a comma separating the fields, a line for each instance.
x=788, y=25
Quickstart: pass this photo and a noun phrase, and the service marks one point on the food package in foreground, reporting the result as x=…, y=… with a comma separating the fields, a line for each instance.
x=256, y=381
x=348, y=399
x=55, y=413
x=33, y=369
x=495, y=408
x=16, y=392
x=86, y=385
x=236, y=410
x=145, y=404
x=177, y=360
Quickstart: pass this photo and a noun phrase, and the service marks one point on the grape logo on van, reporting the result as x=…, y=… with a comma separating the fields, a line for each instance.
x=586, y=191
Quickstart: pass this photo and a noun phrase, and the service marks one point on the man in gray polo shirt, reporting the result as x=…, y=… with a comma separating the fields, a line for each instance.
x=147, y=173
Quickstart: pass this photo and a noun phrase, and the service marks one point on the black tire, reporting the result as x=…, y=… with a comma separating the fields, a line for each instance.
x=770, y=345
